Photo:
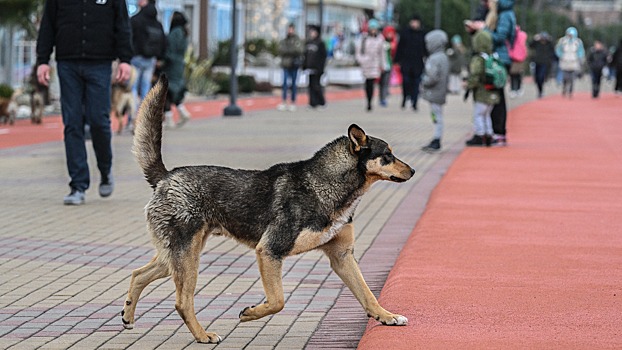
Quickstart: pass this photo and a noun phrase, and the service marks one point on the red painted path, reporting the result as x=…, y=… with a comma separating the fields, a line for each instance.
x=24, y=133
x=519, y=247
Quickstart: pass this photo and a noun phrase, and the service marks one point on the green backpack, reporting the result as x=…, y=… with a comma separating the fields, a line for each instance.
x=496, y=75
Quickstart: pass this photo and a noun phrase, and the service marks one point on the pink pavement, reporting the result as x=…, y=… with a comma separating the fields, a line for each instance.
x=519, y=247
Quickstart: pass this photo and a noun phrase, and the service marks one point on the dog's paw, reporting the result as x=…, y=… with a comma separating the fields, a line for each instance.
x=245, y=314
x=210, y=338
x=126, y=324
x=391, y=320
x=395, y=320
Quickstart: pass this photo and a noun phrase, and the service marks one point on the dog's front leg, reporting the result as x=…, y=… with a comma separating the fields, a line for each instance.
x=270, y=269
x=340, y=252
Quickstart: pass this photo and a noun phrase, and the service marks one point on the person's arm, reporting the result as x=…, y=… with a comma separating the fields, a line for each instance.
x=431, y=75
x=476, y=75
x=47, y=33
x=503, y=32
x=123, y=34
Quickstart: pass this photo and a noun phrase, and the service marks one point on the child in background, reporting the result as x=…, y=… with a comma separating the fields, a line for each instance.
x=389, y=48
x=434, y=83
x=484, y=97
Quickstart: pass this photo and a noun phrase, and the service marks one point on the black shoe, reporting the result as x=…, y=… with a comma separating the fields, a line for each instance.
x=106, y=186
x=433, y=146
x=488, y=140
x=476, y=140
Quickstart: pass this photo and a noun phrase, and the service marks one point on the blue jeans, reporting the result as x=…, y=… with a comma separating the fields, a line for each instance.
x=85, y=99
x=290, y=74
x=144, y=69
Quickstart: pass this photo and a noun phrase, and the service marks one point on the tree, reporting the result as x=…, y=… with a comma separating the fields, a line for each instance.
x=21, y=14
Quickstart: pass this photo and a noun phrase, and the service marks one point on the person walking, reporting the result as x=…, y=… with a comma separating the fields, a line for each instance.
x=484, y=97
x=571, y=54
x=371, y=57
x=616, y=65
x=149, y=42
x=409, y=55
x=543, y=57
x=314, y=63
x=434, y=82
x=84, y=51
x=291, y=51
x=456, y=64
x=504, y=33
x=597, y=60
x=174, y=66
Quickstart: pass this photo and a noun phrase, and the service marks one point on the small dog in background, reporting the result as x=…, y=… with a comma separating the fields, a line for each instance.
x=39, y=98
x=122, y=100
x=8, y=108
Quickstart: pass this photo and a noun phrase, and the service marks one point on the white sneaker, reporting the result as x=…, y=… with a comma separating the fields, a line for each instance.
x=281, y=107
x=291, y=108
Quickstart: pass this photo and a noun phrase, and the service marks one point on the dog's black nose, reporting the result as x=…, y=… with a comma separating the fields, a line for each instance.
x=412, y=171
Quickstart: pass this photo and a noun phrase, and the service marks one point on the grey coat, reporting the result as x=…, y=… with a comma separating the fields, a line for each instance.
x=436, y=70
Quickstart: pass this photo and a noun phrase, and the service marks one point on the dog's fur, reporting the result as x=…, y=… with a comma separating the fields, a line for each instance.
x=122, y=100
x=287, y=209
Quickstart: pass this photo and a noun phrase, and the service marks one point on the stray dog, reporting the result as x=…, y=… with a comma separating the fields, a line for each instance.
x=122, y=101
x=8, y=108
x=38, y=94
x=287, y=209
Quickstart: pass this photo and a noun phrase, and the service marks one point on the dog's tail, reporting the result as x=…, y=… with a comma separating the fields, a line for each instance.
x=148, y=133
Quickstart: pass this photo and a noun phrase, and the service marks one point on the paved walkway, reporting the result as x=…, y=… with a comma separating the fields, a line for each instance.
x=64, y=271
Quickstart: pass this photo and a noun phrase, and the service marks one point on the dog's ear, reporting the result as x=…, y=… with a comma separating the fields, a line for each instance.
x=358, y=138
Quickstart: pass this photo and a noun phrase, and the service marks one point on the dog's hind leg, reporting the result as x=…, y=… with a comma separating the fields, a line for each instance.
x=185, y=272
x=340, y=252
x=141, y=277
x=271, y=277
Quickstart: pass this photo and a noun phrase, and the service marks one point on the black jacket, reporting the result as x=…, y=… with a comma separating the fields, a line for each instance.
x=411, y=50
x=146, y=18
x=84, y=30
x=543, y=52
x=315, y=56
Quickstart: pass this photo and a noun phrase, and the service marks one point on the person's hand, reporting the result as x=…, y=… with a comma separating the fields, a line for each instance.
x=478, y=25
x=123, y=72
x=43, y=74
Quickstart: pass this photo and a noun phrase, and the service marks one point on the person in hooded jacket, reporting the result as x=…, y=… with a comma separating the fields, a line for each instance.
x=409, y=55
x=484, y=98
x=543, y=57
x=314, y=62
x=370, y=55
x=149, y=42
x=434, y=82
x=503, y=32
x=571, y=54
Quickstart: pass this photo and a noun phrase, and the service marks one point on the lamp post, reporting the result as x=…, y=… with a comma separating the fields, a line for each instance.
x=232, y=109
x=437, y=14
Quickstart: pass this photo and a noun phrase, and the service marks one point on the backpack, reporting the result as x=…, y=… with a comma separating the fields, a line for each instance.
x=495, y=72
x=518, y=50
x=154, y=41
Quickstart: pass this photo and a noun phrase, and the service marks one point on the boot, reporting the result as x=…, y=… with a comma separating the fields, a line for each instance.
x=433, y=146
x=184, y=116
x=168, y=119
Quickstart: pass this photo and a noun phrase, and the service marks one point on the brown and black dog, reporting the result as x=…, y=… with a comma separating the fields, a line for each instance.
x=287, y=209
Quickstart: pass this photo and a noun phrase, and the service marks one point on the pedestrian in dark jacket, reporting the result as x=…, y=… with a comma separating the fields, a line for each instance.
x=597, y=60
x=543, y=57
x=616, y=64
x=174, y=67
x=409, y=55
x=314, y=63
x=149, y=43
x=291, y=50
x=85, y=50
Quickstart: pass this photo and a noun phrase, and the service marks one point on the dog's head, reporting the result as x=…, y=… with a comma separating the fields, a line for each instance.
x=377, y=157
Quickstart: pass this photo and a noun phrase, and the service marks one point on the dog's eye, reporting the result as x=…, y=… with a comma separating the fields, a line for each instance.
x=387, y=158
